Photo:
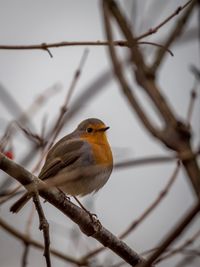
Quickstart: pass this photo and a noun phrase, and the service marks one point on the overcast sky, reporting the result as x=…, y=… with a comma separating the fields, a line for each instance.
x=26, y=74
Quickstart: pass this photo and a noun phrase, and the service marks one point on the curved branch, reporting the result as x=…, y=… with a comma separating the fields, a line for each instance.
x=76, y=214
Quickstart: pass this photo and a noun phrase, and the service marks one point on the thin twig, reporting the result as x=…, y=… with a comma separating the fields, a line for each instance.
x=175, y=33
x=162, y=23
x=45, y=46
x=154, y=204
x=193, y=96
x=30, y=135
x=27, y=244
x=183, y=223
x=44, y=226
x=52, y=135
x=180, y=248
x=23, y=237
x=57, y=127
x=158, y=45
x=25, y=254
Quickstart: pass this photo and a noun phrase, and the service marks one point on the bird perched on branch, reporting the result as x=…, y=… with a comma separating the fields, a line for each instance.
x=80, y=163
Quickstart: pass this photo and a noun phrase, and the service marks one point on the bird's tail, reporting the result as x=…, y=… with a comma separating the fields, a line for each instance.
x=20, y=203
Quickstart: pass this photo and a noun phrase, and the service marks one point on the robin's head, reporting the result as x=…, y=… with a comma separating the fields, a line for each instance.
x=92, y=126
x=92, y=129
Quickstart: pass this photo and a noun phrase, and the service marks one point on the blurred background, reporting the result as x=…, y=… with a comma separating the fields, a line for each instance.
x=26, y=74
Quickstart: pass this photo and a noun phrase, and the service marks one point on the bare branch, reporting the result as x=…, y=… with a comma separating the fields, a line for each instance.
x=124, y=85
x=180, y=248
x=174, y=35
x=153, y=205
x=79, y=216
x=147, y=211
x=165, y=21
x=45, y=46
x=184, y=222
x=175, y=134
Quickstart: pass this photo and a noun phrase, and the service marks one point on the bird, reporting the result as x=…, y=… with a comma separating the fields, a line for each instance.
x=83, y=159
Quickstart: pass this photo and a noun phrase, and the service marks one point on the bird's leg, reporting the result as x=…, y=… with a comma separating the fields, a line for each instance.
x=93, y=216
x=63, y=193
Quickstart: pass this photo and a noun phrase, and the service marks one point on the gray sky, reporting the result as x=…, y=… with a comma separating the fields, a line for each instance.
x=25, y=74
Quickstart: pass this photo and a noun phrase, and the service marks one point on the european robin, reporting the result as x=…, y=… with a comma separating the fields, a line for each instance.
x=85, y=148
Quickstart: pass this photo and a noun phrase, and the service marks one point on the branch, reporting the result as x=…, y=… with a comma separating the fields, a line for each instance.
x=77, y=215
x=147, y=211
x=44, y=226
x=173, y=235
x=154, y=204
x=174, y=35
x=124, y=85
x=180, y=248
x=142, y=73
x=46, y=46
x=175, y=135
x=165, y=21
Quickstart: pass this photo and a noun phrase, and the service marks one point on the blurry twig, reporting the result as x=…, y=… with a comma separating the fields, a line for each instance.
x=25, y=254
x=180, y=248
x=154, y=204
x=184, y=222
x=32, y=136
x=57, y=126
x=23, y=118
x=27, y=244
x=9, y=102
x=193, y=96
x=23, y=237
x=187, y=261
x=59, y=123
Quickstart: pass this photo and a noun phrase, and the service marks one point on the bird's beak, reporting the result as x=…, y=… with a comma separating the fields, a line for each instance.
x=104, y=129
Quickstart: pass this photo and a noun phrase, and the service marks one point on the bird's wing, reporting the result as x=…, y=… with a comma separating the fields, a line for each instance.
x=67, y=154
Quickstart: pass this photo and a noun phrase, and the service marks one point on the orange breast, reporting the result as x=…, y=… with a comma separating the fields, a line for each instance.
x=100, y=148
x=102, y=154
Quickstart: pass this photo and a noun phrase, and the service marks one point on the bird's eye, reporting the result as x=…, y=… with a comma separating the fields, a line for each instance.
x=89, y=130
